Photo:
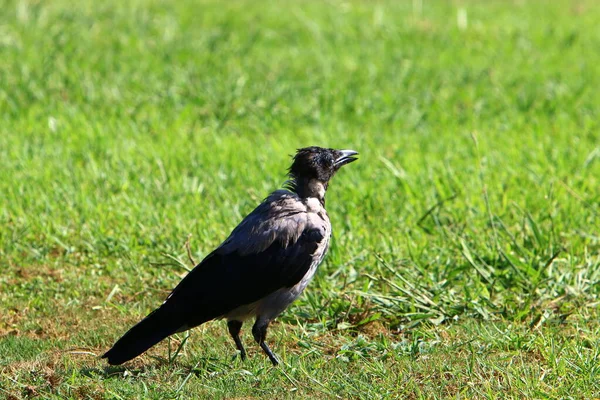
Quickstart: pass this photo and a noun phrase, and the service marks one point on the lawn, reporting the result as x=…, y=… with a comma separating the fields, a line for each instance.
x=465, y=260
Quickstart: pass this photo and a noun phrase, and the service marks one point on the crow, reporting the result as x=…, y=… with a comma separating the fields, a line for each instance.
x=259, y=270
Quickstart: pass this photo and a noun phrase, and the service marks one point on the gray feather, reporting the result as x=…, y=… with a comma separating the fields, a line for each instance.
x=282, y=216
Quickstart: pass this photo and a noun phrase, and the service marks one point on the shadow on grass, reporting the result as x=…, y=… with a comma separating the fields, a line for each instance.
x=113, y=371
x=203, y=365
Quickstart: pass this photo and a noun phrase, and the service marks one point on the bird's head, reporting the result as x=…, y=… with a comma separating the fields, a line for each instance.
x=313, y=167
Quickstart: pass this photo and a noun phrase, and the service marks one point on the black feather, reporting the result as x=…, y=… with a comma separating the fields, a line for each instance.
x=219, y=284
x=155, y=327
x=223, y=282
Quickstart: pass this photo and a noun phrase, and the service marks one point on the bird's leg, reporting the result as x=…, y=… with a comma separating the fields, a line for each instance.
x=234, y=330
x=259, y=331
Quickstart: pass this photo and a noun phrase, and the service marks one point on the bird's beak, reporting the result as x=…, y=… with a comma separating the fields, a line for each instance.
x=345, y=157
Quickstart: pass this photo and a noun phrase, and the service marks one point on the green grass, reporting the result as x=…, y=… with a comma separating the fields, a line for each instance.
x=466, y=253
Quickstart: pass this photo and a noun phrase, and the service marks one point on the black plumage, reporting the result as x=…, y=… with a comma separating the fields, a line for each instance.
x=262, y=267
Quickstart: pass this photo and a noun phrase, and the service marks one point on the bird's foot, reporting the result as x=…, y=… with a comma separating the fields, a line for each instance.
x=240, y=354
x=270, y=354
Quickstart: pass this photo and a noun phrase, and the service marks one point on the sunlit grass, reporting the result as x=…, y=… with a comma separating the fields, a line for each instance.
x=465, y=258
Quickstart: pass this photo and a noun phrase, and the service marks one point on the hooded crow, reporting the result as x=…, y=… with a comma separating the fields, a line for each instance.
x=259, y=270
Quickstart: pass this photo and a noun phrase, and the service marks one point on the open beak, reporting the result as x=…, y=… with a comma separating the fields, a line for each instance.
x=345, y=157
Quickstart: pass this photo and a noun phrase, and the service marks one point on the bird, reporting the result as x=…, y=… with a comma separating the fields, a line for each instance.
x=259, y=270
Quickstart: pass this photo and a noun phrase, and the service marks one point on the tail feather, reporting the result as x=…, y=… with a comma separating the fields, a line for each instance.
x=155, y=327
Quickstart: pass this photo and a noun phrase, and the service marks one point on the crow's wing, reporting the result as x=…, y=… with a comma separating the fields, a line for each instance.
x=272, y=248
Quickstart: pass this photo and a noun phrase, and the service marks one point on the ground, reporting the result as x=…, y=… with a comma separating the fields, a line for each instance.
x=465, y=261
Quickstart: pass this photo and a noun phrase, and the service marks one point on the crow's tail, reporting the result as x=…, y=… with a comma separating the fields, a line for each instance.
x=155, y=327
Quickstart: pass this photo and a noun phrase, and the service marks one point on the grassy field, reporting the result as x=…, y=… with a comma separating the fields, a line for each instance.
x=466, y=254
